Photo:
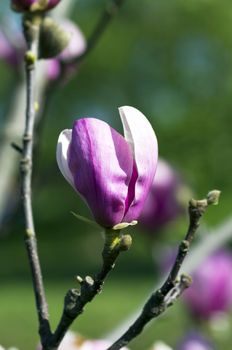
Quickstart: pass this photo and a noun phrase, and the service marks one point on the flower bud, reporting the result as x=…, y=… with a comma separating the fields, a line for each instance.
x=112, y=173
x=33, y=5
x=75, y=48
x=53, y=38
x=213, y=197
x=13, y=46
x=211, y=290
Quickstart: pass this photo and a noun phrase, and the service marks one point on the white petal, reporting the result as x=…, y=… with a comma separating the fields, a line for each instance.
x=141, y=136
x=62, y=154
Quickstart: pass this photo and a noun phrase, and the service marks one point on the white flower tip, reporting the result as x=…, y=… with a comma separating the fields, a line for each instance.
x=64, y=140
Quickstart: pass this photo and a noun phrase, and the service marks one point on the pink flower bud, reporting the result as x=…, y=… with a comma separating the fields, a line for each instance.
x=211, y=290
x=111, y=172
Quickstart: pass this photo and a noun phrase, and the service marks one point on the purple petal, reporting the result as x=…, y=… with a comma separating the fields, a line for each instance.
x=26, y=5
x=52, y=3
x=142, y=139
x=62, y=155
x=101, y=162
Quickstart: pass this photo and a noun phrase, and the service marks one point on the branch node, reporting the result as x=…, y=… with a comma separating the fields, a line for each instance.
x=89, y=281
x=79, y=279
x=27, y=137
x=70, y=302
x=184, y=246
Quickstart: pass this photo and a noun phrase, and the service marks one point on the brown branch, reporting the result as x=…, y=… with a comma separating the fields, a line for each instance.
x=173, y=287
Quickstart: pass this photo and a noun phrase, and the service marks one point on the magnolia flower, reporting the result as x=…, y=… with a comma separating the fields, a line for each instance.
x=33, y=5
x=163, y=203
x=195, y=341
x=211, y=290
x=112, y=173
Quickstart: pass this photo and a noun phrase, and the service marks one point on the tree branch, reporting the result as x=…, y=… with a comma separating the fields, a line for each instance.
x=75, y=300
x=31, y=28
x=173, y=287
x=111, y=9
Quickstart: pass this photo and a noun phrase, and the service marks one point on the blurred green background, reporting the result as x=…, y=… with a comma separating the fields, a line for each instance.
x=173, y=61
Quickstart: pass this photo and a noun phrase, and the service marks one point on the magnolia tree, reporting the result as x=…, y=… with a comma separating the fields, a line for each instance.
x=116, y=177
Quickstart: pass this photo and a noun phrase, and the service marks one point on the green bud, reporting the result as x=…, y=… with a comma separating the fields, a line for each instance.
x=30, y=57
x=53, y=39
x=213, y=197
x=125, y=243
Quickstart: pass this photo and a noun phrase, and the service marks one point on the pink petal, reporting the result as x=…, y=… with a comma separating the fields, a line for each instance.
x=101, y=162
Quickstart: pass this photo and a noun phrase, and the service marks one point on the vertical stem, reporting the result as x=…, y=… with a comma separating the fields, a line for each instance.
x=26, y=176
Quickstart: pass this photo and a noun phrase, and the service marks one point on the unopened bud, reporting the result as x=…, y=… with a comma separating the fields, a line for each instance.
x=213, y=197
x=53, y=39
x=125, y=243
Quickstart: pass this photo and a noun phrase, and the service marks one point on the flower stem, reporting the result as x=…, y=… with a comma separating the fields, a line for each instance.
x=26, y=175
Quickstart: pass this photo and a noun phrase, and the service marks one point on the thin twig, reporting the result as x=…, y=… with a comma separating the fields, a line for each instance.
x=76, y=300
x=111, y=9
x=173, y=287
x=26, y=175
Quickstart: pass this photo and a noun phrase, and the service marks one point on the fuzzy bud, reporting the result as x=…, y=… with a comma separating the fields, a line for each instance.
x=53, y=39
